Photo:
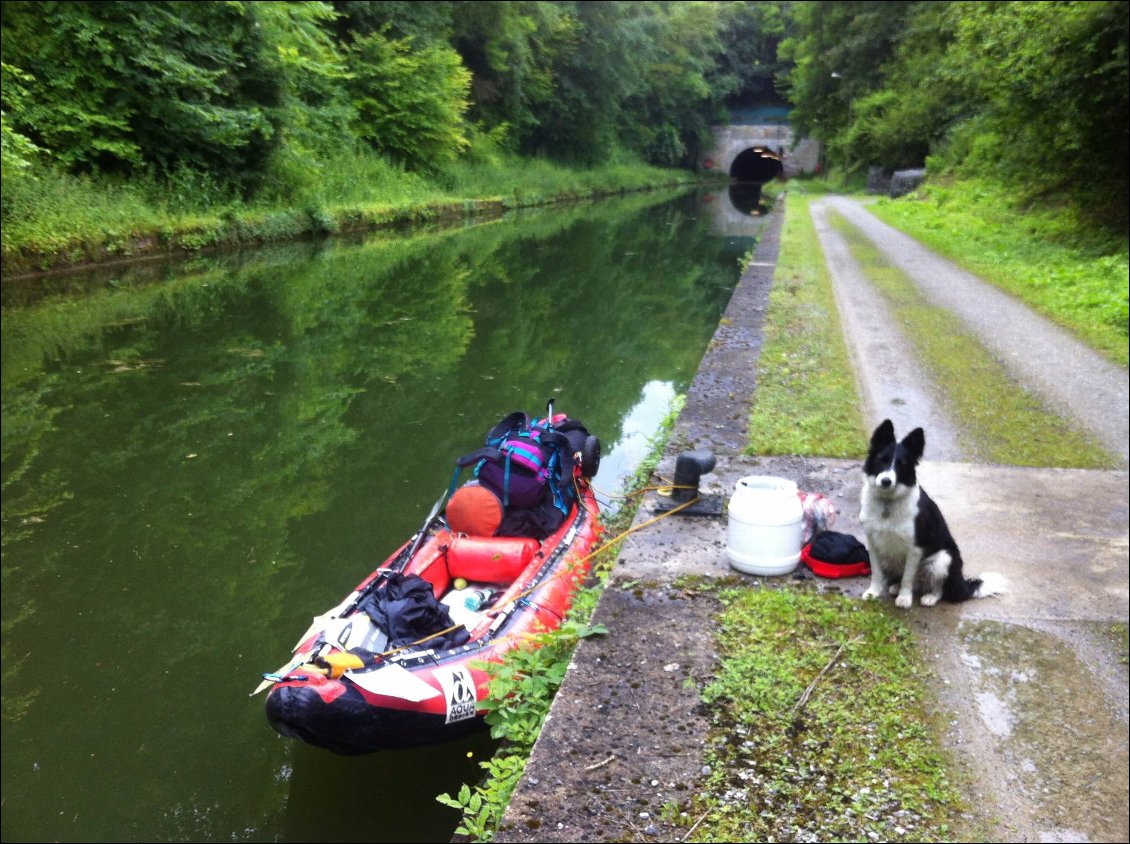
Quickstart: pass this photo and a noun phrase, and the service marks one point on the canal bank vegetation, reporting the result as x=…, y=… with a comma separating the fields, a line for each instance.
x=1018, y=113
x=62, y=219
x=1054, y=262
x=1032, y=97
x=804, y=375
x=820, y=726
x=1045, y=256
x=135, y=127
x=999, y=421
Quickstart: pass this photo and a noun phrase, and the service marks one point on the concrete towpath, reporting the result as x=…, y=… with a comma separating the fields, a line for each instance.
x=1031, y=687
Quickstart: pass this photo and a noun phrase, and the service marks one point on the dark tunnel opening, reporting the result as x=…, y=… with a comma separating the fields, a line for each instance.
x=757, y=164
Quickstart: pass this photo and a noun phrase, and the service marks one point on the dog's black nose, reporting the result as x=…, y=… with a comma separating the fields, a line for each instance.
x=885, y=482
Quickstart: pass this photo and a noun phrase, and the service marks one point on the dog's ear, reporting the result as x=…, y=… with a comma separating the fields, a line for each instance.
x=915, y=443
x=884, y=434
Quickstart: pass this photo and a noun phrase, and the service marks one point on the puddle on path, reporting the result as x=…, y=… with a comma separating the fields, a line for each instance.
x=1053, y=728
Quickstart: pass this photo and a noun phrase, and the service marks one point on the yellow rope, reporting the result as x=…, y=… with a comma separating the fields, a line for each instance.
x=495, y=611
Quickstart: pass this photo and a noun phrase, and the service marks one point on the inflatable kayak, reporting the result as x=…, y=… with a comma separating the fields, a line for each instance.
x=363, y=678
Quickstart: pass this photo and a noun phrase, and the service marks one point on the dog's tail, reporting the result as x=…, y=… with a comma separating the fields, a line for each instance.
x=958, y=588
x=989, y=583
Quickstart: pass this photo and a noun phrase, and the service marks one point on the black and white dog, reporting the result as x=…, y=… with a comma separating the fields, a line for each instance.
x=907, y=538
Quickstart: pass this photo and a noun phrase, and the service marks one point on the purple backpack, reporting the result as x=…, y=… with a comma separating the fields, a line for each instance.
x=523, y=462
x=530, y=462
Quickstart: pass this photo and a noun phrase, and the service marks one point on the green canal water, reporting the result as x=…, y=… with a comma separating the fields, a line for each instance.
x=199, y=458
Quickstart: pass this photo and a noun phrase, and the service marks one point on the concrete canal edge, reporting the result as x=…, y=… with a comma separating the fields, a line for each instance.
x=1030, y=690
x=626, y=731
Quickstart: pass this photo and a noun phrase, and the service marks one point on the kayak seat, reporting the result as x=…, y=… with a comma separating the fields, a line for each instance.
x=497, y=559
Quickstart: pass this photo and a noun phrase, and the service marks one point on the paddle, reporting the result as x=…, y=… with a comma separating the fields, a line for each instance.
x=351, y=601
x=424, y=529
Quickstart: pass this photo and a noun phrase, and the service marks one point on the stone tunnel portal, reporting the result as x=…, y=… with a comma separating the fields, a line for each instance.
x=757, y=164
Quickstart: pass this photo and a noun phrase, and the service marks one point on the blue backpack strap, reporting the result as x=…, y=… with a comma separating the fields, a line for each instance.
x=513, y=423
x=506, y=482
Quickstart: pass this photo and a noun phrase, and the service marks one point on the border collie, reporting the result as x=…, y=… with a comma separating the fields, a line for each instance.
x=906, y=536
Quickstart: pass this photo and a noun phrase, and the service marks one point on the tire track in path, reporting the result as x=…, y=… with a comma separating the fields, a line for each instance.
x=1073, y=379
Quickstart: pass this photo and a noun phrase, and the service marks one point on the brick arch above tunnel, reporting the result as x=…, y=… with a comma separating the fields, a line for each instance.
x=731, y=141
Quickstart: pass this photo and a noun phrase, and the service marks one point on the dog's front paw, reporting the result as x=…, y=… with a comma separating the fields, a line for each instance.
x=904, y=600
x=871, y=594
x=929, y=599
x=893, y=589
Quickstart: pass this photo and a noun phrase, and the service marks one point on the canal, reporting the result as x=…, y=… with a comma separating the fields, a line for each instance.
x=199, y=457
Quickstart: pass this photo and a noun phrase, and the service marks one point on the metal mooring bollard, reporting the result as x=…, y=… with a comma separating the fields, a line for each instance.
x=690, y=466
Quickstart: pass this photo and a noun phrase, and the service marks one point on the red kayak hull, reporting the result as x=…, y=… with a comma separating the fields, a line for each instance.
x=420, y=695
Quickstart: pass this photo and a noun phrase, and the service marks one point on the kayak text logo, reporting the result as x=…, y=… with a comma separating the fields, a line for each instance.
x=459, y=691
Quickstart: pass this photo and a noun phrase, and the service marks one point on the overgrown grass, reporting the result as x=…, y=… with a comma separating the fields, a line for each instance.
x=806, y=400
x=998, y=421
x=54, y=212
x=54, y=218
x=1046, y=257
x=819, y=727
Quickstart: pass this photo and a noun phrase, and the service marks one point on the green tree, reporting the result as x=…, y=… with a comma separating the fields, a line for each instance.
x=16, y=150
x=122, y=86
x=837, y=51
x=409, y=100
x=747, y=68
x=668, y=117
x=902, y=121
x=512, y=51
x=403, y=18
x=1051, y=84
x=1034, y=94
x=310, y=109
x=213, y=90
x=593, y=80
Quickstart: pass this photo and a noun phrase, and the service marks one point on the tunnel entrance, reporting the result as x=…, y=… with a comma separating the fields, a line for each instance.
x=757, y=164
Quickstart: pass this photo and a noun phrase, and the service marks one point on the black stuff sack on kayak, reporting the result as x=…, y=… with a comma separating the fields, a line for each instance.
x=407, y=609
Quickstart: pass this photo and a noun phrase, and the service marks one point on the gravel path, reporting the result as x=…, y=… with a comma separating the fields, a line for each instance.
x=1076, y=381
x=1037, y=725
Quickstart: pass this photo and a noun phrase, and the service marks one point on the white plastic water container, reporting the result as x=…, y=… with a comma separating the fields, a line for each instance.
x=766, y=521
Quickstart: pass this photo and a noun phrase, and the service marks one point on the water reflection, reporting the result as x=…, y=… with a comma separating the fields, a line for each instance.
x=197, y=460
x=637, y=434
x=745, y=197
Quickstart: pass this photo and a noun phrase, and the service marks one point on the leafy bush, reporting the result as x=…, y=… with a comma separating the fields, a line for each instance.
x=410, y=101
x=521, y=691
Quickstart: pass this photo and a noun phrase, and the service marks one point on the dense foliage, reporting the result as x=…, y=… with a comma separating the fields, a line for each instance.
x=1031, y=94
x=263, y=101
x=236, y=91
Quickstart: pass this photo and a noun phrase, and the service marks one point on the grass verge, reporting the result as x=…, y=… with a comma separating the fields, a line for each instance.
x=56, y=219
x=819, y=728
x=998, y=420
x=806, y=400
x=1048, y=260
